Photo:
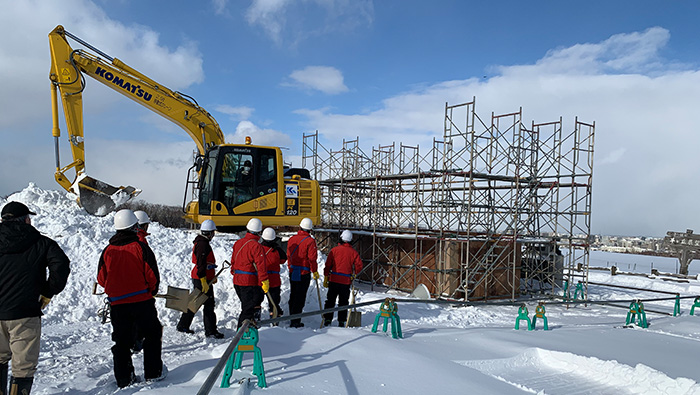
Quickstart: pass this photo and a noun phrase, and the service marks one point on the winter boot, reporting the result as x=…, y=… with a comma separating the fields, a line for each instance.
x=215, y=335
x=3, y=379
x=21, y=385
x=125, y=383
x=162, y=376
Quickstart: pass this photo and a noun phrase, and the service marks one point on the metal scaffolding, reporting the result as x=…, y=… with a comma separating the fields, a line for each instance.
x=496, y=209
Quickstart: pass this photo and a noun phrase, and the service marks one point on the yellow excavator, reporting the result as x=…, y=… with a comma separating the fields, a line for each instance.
x=230, y=183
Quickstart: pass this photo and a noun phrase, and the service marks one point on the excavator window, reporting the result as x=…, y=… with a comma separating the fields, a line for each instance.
x=207, y=189
x=237, y=179
x=267, y=176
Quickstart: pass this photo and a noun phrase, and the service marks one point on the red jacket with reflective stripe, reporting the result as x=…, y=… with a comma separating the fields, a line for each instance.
x=203, y=259
x=248, y=259
x=274, y=257
x=128, y=266
x=301, y=251
x=340, y=263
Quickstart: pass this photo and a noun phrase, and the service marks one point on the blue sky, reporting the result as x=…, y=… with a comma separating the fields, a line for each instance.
x=380, y=70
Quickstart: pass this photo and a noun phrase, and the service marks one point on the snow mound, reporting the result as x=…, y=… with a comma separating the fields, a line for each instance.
x=557, y=372
x=83, y=237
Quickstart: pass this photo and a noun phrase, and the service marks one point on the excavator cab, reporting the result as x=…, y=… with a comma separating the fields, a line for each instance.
x=238, y=182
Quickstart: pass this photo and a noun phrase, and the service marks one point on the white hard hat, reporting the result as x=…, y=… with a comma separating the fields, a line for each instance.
x=208, y=226
x=142, y=217
x=346, y=236
x=269, y=234
x=254, y=225
x=306, y=224
x=124, y=219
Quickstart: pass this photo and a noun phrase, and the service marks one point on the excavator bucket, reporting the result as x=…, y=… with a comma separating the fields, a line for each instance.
x=99, y=198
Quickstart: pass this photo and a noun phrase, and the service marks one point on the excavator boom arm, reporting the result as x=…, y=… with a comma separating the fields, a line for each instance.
x=67, y=75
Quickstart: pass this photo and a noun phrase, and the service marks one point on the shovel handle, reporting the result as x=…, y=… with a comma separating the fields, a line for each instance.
x=274, y=306
x=224, y=266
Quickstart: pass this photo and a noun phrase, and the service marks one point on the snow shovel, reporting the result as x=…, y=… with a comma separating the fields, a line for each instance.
x=176, y=298
x=354, y=316
x=197, y=298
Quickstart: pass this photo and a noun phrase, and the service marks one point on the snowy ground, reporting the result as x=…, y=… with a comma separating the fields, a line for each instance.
x=444, y=350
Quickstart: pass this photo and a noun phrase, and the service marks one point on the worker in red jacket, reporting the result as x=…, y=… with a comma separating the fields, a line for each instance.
x=144, y=220
x=301, y=260
x=249, y=269
x=274, y=257
x=203, y=277
x=128, y=272
x=342, y=264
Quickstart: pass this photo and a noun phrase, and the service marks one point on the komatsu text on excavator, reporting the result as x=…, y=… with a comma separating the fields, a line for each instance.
x=230, y=183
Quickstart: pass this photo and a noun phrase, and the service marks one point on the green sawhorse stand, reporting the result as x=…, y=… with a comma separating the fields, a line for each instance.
x=389, y=311
x=579, y=291
x=637, y=310
x=523, y=315
x=248, y=343
x=696, y=303
x=677, y=305
x=539, y=313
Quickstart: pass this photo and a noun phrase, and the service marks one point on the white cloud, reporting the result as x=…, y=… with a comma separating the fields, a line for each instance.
x=291, y=22
x=24, y=64
x=268, y=137
x=325, y=79
x=636, y=52
x=269, y=14
x=643, y=106
x=237, y=113
x=219, y=6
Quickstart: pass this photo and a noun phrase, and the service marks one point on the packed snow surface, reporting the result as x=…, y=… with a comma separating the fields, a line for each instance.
x=445, y=349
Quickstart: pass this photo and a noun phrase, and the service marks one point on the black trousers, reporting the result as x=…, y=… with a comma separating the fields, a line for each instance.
x=275, y=296
x=207, y=312
x=297, y=296
x=340, y=292
x=126, y=318
x=251, y=300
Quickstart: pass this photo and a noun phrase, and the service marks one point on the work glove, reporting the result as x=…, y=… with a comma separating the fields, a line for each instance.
x=44, y=301
x=325, y=281
x=315, y=274
x=214, y=280
x=266, y=286
x=205, y=285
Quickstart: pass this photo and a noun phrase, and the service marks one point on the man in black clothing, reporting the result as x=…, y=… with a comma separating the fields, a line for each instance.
x=25, y=256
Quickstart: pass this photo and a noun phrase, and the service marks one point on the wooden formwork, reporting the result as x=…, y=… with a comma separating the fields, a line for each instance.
x=455, y=268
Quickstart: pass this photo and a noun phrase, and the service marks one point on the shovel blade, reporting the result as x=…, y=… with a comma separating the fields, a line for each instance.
x=196, y=299
x=355, y=319
x=176, y=299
